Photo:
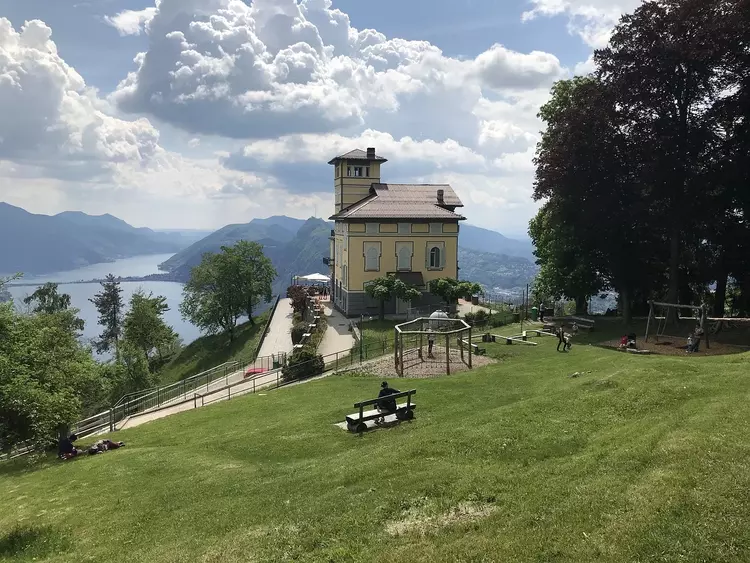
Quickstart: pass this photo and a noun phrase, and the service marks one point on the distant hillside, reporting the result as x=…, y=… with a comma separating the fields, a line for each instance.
x=495, y=270
x=293, y=252
x=484, y=240
x=40, y=244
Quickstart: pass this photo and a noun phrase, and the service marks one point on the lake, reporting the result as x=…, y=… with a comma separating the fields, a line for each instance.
x=135, y=266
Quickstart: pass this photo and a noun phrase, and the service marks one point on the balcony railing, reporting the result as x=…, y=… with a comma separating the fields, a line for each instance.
x=328, y=261
x=333, y=233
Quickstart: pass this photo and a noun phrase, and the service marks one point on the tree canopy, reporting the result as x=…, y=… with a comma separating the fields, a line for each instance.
x=226, y=285
x=642, y=169
x=386, y=288
x=109, y=304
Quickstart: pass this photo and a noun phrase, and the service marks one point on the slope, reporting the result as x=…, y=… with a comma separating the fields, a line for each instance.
x=39, y=244
x=635, y=459
x=485, y=240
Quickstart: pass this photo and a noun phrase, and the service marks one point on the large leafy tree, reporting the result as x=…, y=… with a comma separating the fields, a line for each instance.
x=47, y=300
x=386, y=288
x=5, y=295
x=254, y=273
x=110, y=305
x=662, y=64
x=46, y=376
x=144, y=325
x=450, y=289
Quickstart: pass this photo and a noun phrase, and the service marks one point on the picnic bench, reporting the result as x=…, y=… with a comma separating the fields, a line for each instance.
x=583, y=324
x=405, y=411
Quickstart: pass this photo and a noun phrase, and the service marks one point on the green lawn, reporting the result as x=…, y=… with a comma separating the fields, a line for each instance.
x=636, y=458
x=210, y=351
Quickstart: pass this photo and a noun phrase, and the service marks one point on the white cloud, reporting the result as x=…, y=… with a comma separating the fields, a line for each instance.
x=51, y=119
x=131, y=22
x=277, y=68
x=592, y=20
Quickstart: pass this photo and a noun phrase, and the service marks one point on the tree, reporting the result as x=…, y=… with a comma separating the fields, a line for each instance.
x=144, y=324
x=5, y=295
x=254, y=273
x=451, y=289
x=109, y=304
x=47, y=377
x=386, y=288
x=211, y=299
x=298, y=296
x=662, y=63
x=46, y=300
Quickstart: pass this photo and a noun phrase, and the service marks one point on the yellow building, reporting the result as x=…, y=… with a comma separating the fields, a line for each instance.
x=409, y=230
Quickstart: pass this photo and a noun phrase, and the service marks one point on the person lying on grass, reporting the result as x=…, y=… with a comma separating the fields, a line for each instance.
x=104, y=445
x=386, y=405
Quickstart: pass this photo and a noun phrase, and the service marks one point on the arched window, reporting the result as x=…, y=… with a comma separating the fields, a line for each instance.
x=404, y=257
x=372, y=257
x=435, y=257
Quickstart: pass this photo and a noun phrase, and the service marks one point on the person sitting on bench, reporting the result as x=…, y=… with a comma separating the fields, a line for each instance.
x=65, y=447
x=385, y=405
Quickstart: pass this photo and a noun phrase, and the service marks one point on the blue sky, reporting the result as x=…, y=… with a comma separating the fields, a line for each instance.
x=198, y=113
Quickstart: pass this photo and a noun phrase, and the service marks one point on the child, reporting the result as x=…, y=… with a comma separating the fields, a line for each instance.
x=623, y=342
x=690, y=343
x=568, y=343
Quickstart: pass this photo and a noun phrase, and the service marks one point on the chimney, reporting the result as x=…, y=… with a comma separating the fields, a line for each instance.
x=441, y=196
x=371, y=153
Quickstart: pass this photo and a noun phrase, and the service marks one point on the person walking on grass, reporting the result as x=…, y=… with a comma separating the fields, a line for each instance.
x=560, y=337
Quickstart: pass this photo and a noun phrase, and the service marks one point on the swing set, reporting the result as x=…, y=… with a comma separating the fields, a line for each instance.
x=700, y=315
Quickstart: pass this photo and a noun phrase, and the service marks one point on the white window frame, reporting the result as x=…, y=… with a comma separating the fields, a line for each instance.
x=409, y=247
x=372, y=250
x=404, y=228
x=358, y=171
x=440, y=246
x=372, y=228
x=436, y=228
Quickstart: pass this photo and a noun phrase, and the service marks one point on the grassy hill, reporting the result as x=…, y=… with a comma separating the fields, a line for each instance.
x=210, y=351
x=634, y=459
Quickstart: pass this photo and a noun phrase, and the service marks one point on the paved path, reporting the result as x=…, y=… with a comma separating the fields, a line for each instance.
x=337, y=336
x=466, y=307
x=279, y=337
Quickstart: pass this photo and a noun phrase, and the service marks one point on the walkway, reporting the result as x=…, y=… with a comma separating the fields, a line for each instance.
x=466, y=307
x=279, y=337
x=337, y=336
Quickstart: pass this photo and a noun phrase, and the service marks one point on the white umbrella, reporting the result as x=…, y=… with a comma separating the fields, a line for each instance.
x=315, y=278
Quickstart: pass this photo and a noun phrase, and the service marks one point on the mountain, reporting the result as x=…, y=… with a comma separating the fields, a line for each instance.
x=484, y=240
x=269, y=235
x=495, y=271
x=292, y=252
x=40, y=244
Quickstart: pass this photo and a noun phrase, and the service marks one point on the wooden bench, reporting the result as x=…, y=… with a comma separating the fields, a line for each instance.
x=583, y=324
x=356, y=422
x=474, y=348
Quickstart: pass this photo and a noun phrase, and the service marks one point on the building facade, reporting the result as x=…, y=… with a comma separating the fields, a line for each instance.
x=408, y=230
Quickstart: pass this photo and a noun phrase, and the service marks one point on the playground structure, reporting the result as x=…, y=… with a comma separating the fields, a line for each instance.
x=431, y=345
x=708, y=325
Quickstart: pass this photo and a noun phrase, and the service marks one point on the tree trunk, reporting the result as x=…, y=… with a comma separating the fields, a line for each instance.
x=627, y=315
x=582, y=305
x=720, y=296
x=250, y=313
x=674, y=273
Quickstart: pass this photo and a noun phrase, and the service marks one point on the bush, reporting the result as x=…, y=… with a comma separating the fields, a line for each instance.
x=303, y=364
x=480, y=316
x=298, y=295
x=298, y=330
x=470, y=318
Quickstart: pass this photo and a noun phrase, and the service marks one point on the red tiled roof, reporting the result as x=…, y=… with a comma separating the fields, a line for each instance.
x=405, y=201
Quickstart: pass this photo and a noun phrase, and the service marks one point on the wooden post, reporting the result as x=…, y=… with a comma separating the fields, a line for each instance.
x=111, y=420
x=421, y=343
x=704, y=314
x=447, y=354
x=470, y=348
x=648, y=321
x=401, y=355
x=461, y=347
x=395, y=349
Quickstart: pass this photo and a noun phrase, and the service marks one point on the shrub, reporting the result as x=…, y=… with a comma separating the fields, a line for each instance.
x=470, y=318
x=480, y=316
x=302, y=364
x=298, y=295
x=298, y=330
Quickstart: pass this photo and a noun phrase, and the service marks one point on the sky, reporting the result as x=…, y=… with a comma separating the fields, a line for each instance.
x=199, y=113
